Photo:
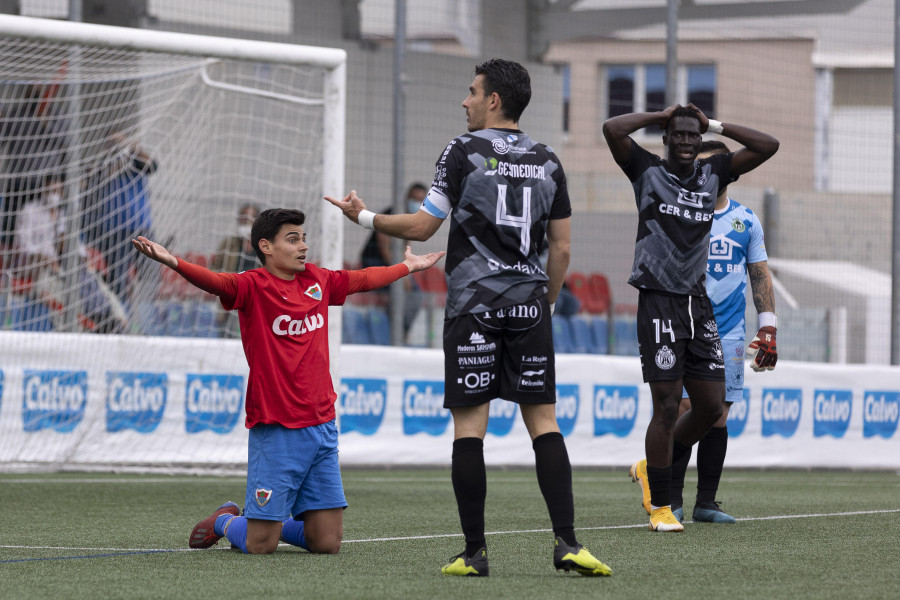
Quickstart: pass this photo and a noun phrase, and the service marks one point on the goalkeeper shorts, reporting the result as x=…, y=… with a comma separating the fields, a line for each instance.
x=290, y=471
x=733, y=350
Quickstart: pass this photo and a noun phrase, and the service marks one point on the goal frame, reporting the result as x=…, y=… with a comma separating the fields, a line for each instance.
x=332, y=60
x=329, y=239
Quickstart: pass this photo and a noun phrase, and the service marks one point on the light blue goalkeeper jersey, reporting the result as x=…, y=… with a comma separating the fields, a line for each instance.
x=736, y=240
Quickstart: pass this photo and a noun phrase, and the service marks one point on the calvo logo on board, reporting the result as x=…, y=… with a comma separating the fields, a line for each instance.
x=362, y=403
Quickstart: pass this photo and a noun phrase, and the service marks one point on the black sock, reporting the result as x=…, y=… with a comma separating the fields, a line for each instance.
x=470, y=486
x=679, y=450
x=554, y=475
x=679, y=468
x=660, y=482
x=710, y=458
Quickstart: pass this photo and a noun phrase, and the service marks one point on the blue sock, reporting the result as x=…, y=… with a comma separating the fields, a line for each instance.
x=234, y=528
x=292, y=533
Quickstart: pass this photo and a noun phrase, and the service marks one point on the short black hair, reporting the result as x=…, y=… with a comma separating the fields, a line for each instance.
x=682, y=111
x=713, y=147
x=511, y=82
x=268, y=224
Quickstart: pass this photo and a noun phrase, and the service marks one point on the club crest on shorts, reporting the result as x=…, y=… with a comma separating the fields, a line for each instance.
x=665, y=358
x=263, y=496
x=314, y=292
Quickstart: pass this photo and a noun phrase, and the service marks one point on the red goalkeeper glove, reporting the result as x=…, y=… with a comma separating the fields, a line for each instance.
x=763, y=350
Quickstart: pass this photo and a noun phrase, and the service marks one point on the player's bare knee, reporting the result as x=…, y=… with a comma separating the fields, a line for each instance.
x=710, y=412
x=330, y=545
x=263, y=547
x=666, y=414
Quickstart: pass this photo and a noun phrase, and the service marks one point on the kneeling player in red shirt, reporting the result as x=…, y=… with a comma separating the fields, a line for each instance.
x=294, y=489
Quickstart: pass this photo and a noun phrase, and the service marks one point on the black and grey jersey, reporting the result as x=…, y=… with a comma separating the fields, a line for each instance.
x=674, y=219
x=502, y=188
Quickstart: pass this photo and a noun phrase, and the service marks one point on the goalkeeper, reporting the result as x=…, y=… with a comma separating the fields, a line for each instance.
x=737, y=249
x=294, y=489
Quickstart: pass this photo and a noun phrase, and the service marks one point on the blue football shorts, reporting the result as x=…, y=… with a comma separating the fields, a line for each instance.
x=290, y=471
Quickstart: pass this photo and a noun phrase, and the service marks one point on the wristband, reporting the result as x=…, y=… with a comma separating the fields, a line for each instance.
x=714, y=126
x=768, y=319
x=366, y=218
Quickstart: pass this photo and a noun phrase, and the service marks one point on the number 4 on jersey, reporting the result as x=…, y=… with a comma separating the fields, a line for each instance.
x=522, y=222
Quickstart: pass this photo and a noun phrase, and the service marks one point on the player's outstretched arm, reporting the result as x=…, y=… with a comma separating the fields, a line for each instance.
x=219, y=284
x=763, y=348
x=418, y=226
x=420, y=263
x=155, y=251
x=617, y=130
x=372, y=278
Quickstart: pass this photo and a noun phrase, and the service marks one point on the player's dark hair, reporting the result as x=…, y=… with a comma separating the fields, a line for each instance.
x=511, y=82
x=681, y=111
x=713, y=147
x=268, y=224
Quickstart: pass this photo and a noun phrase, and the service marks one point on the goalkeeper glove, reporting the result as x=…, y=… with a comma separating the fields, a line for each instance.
x=763, y=350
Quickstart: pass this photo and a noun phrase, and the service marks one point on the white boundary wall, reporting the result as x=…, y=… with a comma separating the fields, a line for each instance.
x=180, y=406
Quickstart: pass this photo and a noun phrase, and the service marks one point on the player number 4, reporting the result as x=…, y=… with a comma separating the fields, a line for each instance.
x=522, y=222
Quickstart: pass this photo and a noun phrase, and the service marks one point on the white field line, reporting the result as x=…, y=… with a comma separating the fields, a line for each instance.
x=807, y=479
x=454, y=535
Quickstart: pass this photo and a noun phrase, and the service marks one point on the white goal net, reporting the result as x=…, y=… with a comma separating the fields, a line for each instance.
x=109, y=133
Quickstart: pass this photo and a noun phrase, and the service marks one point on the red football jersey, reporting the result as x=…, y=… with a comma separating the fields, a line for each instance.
x=284, y=330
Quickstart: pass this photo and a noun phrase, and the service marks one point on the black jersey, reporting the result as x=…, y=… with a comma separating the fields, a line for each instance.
x=502, y=188
x=674, y=220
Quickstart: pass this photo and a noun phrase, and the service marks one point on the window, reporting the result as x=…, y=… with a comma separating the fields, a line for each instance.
x=640, y=88
x=620, y=85
x=701, y=88
x=655, y=87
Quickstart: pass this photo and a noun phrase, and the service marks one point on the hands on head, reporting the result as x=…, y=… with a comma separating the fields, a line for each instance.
x=667, y=115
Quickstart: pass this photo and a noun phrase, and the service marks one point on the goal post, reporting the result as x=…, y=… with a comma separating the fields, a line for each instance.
x=110, y=132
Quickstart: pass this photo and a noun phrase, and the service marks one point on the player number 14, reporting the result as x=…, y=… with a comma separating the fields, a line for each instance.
x=663, y=327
